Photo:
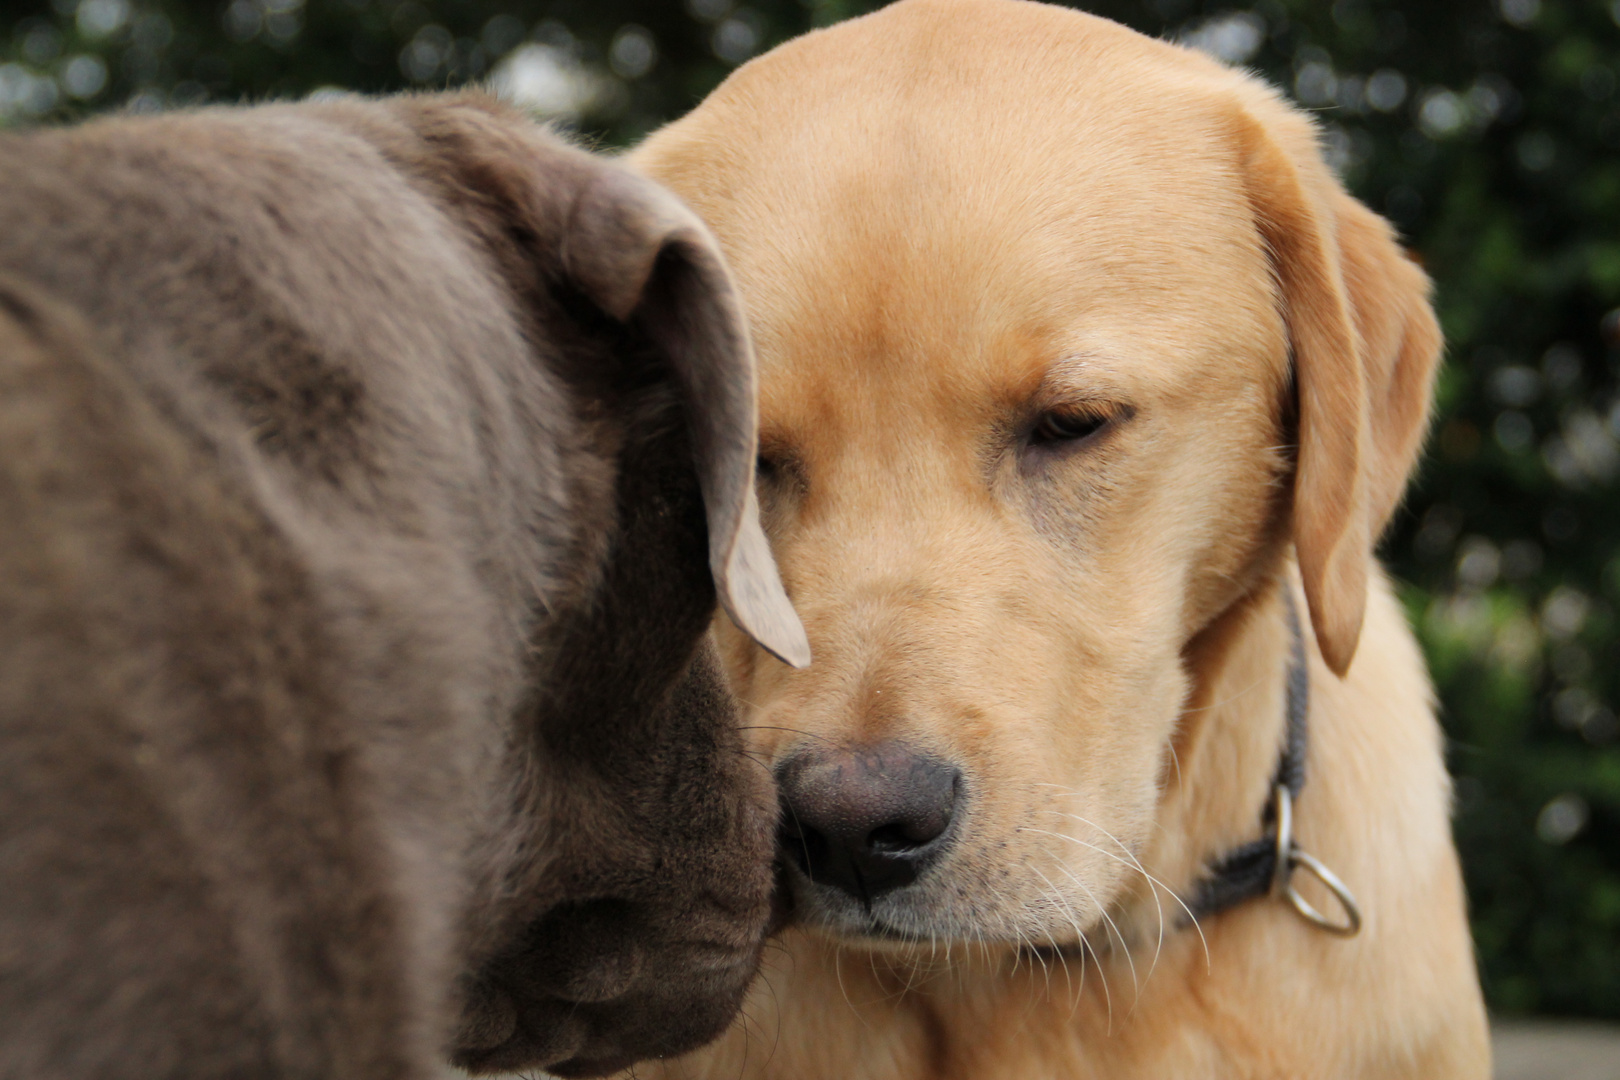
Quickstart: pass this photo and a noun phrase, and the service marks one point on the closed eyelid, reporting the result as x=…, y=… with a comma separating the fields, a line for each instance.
x=1085, y=377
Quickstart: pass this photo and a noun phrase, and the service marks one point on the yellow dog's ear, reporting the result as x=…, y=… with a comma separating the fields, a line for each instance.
x=1365, y=346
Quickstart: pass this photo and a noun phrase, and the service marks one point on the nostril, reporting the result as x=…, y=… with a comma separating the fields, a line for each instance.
x=916, y=831
x=895, y=840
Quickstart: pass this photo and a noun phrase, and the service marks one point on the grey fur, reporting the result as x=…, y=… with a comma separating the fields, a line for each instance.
x=355, y=702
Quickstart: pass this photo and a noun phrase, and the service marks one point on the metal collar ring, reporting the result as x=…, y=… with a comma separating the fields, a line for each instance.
x=1291, y=857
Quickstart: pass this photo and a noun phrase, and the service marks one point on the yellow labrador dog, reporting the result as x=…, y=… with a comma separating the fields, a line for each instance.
x=1081, y=375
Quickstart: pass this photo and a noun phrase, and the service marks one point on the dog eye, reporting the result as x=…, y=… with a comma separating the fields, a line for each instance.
x=1061, y=426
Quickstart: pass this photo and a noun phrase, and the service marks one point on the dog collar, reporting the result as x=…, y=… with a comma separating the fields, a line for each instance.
x=1266, y=866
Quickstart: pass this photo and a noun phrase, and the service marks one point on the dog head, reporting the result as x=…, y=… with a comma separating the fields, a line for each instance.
x=454, y=431
x=1066, y=336
x=627, y=902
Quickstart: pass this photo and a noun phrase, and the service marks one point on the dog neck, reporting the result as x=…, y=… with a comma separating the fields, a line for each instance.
x=1223, y=763
x=1265, y=865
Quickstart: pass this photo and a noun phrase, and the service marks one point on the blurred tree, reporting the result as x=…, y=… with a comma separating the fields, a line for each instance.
x=1487, y=130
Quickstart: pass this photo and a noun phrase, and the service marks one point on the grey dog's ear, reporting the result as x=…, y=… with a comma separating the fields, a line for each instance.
x=645, y=259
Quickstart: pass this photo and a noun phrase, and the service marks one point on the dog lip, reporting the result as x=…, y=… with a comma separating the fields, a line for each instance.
x=841, y=919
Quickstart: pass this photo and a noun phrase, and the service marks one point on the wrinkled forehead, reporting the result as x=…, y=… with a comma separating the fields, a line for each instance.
x=945, y=257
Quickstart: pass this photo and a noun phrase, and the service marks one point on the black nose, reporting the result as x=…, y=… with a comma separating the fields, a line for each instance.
x=866, y=819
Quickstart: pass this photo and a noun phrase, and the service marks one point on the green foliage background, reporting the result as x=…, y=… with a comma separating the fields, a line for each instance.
x=1487, y=130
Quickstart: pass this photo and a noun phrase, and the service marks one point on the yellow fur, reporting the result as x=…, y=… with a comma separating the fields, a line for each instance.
x=946, y=218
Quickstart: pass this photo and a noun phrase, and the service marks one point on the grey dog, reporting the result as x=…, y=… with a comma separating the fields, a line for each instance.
x=368, y=475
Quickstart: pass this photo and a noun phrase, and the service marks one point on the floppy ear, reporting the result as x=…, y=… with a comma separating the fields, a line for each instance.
x=1365, y=348
x=640, y=256
x=645, y=259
